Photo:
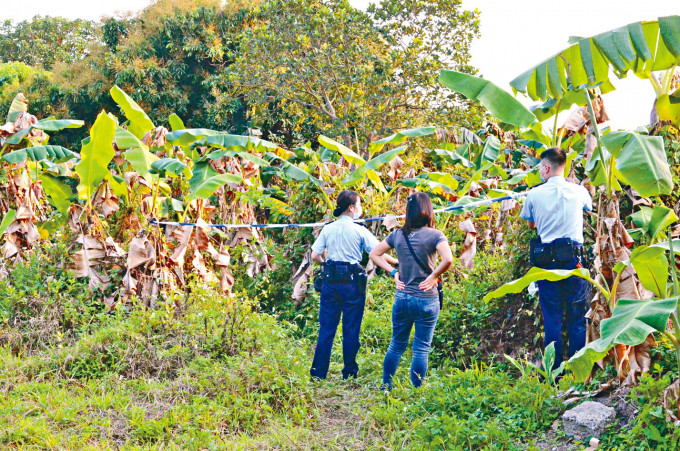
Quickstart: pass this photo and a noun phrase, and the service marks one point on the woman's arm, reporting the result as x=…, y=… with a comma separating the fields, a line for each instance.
x=379, y=256
x=447, y=259
x=391, y=260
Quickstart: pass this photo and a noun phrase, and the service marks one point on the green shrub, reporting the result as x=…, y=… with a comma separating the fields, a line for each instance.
x=478, y=408
x=650, y=430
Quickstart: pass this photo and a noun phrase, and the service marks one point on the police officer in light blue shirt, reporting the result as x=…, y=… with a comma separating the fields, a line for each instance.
x=343, y=292
x=555, y=209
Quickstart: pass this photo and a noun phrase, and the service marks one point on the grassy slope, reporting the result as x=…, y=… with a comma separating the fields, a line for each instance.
x=206, y=372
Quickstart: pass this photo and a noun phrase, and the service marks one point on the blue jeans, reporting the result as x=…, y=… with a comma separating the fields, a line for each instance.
x=407, y=311
x=339, y=299
x=571, y=295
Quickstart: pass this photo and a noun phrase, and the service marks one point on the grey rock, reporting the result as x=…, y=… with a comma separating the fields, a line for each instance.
x=587, y=420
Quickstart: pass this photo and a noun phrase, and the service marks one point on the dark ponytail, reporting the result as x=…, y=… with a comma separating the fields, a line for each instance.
x=345, y=200
x=419, y=212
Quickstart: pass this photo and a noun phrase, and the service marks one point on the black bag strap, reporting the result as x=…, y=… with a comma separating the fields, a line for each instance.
x=426, y=269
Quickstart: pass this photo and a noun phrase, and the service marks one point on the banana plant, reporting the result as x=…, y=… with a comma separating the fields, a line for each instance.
x=642, y=48
x=369, y=168
x=632, y=320
x=96, y=155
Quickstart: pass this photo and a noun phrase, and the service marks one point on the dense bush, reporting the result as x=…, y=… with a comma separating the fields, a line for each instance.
x=478, y=408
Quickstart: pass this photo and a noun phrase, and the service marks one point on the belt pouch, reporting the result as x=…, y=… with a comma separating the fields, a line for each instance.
x=540, y=254
x=564, y=251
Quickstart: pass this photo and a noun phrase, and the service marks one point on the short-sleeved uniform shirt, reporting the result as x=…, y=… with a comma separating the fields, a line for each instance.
x=424, y=242
x=345, y=240
x=556, y=207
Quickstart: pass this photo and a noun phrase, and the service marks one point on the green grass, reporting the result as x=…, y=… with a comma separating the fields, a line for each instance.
x=207, y=371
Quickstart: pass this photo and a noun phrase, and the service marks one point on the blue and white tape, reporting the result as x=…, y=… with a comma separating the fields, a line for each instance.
x=321, y=224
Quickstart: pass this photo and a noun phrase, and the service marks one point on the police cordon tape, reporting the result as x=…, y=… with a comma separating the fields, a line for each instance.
x=321, y=224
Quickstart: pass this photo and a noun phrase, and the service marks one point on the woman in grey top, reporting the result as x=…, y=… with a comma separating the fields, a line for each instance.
x=416, y=301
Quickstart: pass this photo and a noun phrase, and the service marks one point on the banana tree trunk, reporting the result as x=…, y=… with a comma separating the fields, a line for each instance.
x=611, y=244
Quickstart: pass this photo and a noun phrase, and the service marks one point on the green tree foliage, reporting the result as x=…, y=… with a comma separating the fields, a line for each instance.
x=46, y=41
x=328, y=66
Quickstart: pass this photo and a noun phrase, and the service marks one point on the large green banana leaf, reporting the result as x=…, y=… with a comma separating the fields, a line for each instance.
x=54, y=125
x=373, y=165
x=233, y=153
x=290, y=170
x=630, y=324
x=640, y=47
x=343, y=150
x=7, y=220
x=51, y=125
x=490, y=151
x=137, y=153
x=139, y=121
x=206, y=180
x=641, y=161
x=38, y=153
x=400, y=137
x=668, y=107
x=172, y=166
x=59, y=191
x=499, y=102
x=536, y=274
x=19, y=105
x=188, y=136
x=176, y=123
x=651, y=266
x=237, y=142
x=453, y=157
x=653, y=221
x=96, y=155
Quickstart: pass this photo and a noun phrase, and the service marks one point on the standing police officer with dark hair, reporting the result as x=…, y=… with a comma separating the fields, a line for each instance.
x=555, y=209
x=344, y=286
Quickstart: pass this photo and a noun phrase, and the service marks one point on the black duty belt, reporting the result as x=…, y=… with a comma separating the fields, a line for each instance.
x=341, y=272
x=561, y=251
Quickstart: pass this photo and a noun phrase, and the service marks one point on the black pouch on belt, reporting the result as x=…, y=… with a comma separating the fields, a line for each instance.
x=541, y=255
x=564, y=251
x=318, y=279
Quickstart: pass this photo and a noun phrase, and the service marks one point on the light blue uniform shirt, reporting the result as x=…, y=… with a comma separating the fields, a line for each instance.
x=345, y=240
x=556, y=207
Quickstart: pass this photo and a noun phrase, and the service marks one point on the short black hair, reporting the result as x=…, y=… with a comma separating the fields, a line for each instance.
x=419, y=212
x=346, y=199
x=556, y=156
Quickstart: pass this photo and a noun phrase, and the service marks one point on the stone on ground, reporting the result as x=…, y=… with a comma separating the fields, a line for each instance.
x=587, y=420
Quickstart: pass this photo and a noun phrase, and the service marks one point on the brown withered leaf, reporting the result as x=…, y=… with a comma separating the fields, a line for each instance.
x=201, y=235
x=25, y=211
x=390, y=222
x=113, y=249
x=509, y=205
x=141, y=253
x=671, y=402
x=301, y=278
x=223, y=258
x=199, y=265
x=395, y=166
x=227, y=280
x=11, y=246
x=182, y=235
x=475, y=188
x=156, y=137
x=577, y=120
x=105, y=199
x=469, y=249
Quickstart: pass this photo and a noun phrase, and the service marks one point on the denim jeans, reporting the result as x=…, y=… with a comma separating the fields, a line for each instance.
x=338, y=299
x=408, y=311
x=570, y=295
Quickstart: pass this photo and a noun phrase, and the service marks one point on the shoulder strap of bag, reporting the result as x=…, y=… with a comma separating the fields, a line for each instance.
x=425, y=269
